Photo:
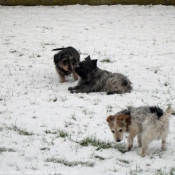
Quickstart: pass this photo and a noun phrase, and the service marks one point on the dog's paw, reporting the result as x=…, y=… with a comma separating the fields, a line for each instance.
x=163, y=148
x=63, y=81
x=75, y=77
x=70, y=88
x=142, y=155
x=124, y=151
x=129, y=147
x=73, y=91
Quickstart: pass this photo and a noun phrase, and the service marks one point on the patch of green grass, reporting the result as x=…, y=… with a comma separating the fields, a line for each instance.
x=109, y=108
x=47, y=44
x=50, y=132
x=61, y=133
x=124, y=161
x=102, y=145
x=156, y=71
x=70, y=163
x=172, y=171
x=173, y=113
x=13, y=51
x=136, y=171
x=164, y=172
x=166, y=84
x=106, y=60
x=160, y=172
x=3, y=149
x=98, y=157
x=44, y=148
x=21, y=131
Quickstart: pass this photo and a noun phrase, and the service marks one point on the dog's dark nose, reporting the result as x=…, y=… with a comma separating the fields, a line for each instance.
x=69, y=68
x=118, y=140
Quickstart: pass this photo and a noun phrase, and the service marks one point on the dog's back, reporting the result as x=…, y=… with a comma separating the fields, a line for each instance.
x=150, y=120
x=143, y=113
x=117, y=83
x=146, y=115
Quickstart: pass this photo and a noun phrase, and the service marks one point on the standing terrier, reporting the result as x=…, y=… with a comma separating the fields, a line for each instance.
x=147, y=123
x=65, y=62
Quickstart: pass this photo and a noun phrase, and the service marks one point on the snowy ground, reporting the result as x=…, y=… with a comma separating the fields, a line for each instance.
x=43, y=128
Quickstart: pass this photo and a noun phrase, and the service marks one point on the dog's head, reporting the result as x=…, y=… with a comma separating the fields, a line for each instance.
x=65, y=61
x=86, y=68
x=118, y=124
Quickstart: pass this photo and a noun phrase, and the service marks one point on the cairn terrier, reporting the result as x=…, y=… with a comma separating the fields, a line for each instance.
x=93, y=79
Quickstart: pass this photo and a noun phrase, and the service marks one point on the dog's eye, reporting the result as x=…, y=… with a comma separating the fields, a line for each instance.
x=120, y=130
x=72, y=61
x=64, y=61
x=113, y=131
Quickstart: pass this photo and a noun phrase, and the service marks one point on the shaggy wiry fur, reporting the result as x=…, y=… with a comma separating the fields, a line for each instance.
x=65, y=62
x=93, y=79
x=147, y=123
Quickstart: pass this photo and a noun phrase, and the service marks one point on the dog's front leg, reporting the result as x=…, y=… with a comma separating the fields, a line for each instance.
x=62, y=78
x=84, y=87
x=163, y=144
x=80, y=89
x=78, y=86
x=74, y=88
x=130, y=139
x=75, y=75
x=144, y=148
x=139, y=140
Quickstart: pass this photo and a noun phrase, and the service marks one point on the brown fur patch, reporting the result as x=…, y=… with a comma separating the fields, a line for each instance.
x=110, y=118
x=124, y=120
x=63, y=66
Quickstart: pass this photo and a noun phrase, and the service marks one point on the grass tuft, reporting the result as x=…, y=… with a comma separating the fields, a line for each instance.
x=61, y=133
x=102, y=145
x=21, y=131
x=70, y=163
x=173, y=113
x=3, y=149
x=106, y=60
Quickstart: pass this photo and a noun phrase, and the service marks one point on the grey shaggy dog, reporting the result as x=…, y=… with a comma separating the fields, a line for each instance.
x=93, y=79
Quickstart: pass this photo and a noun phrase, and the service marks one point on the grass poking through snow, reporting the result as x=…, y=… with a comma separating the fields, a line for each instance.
x=102, y=145
x=20, y=130
x=3, y=149
x=70, y=163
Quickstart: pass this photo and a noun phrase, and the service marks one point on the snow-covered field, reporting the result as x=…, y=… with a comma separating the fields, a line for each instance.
x=46, y=130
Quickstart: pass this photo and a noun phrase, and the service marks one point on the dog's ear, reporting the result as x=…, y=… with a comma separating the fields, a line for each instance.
x=88, y=58
x=94, y=62
x=110, y=118
x=123, y=120
x=57, y=57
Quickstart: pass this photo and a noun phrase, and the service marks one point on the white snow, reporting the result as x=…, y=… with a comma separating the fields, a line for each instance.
x=139, y=41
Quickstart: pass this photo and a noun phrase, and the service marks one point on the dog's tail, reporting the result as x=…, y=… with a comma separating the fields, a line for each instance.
x=58, y=49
